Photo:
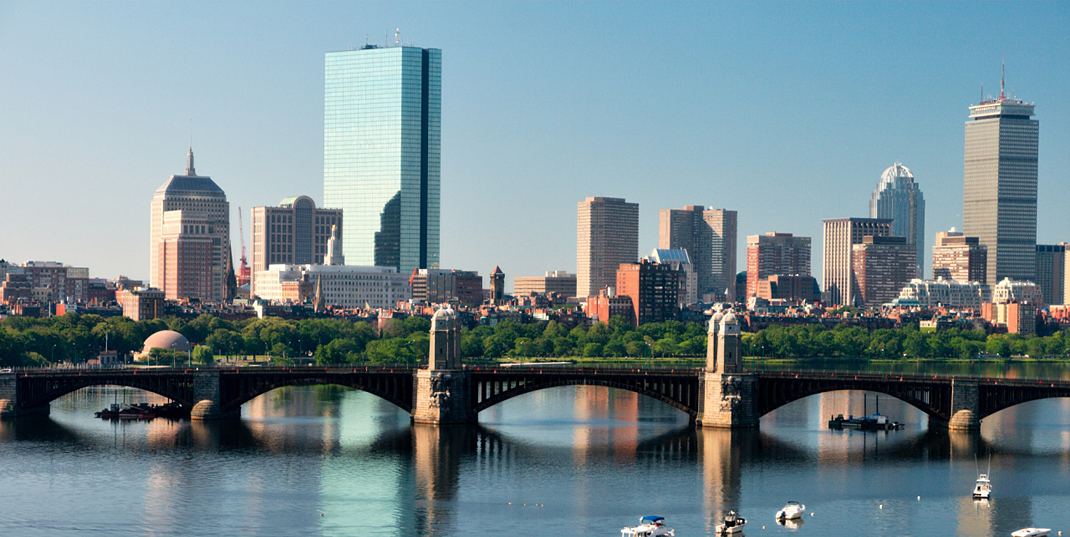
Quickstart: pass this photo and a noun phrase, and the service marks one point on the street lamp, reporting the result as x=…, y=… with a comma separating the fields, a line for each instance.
x=173, y=360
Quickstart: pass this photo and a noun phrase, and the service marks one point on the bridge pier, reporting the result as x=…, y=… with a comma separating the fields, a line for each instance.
x=9, y=399
x=443, y=391
x=729, y=397
x=207, y=397
x=965, y=405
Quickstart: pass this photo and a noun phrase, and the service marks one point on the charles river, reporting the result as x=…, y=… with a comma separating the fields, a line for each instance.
x=573, y=460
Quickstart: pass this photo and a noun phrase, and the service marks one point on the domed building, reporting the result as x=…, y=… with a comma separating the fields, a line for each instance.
x=898, y=197
x=166, y=340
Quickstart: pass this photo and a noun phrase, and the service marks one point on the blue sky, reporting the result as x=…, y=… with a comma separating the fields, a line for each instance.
x=784, y=111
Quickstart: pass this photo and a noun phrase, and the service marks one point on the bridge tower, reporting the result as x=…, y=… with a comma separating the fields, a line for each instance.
x=729, y=396
x=442, y=393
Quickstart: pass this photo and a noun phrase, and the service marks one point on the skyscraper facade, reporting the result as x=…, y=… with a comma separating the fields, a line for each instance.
x=190, y=237
x=381, y=139
x=294, y=233
x=1053, y=266
x=607, y=235
x=709, y=236
x=882, y=266
x=775, y=254
x=1000, y=193
x=838, y=283
x=899, y=198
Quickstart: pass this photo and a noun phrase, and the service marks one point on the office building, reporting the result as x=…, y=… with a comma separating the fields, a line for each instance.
x=960, y=258
x=899, y=198
x=1053, y=266
x=789, y=287
x=140, y=303
x=381, y=139
x=882, y=266
x=687, y=287
x=709, y=236
x=557, y=282
x=1000, y=192
x=838, y=283
x=294, y=233
x=652, y=288
x=775, y=254
x=607, y=235
x=1008, y=291
x=190, y=237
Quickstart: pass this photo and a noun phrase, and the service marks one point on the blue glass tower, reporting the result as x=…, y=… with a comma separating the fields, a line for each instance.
x=899, y=197
x=382, y=119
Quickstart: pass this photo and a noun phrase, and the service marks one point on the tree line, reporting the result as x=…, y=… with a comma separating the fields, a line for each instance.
x=74, y=338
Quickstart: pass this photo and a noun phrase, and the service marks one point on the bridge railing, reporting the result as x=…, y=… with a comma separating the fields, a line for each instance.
x=876, y=375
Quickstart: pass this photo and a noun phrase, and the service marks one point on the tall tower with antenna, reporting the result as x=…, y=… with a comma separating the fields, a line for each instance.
x=1000, y=192
x=244, y=273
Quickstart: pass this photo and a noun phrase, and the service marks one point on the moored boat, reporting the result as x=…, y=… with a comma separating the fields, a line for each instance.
x=791, y=511
x=982, y=490
x=731, y=523
x=1031, y=532
x=649, y=526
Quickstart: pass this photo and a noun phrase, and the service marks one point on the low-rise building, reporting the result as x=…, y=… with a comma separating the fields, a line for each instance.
x=946, y=293
x=1008, y=290
x=340, y=285
x=141, y=303
x=553, y=282
x=439, y=286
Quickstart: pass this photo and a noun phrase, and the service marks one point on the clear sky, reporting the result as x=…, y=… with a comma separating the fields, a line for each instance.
x=787, y=112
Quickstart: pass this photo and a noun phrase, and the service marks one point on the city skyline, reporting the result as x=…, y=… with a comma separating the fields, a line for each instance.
x=517, y=154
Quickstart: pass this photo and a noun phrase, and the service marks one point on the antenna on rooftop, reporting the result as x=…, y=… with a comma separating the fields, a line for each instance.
x=1002, y=74
x=397, y=37
x=365, y=40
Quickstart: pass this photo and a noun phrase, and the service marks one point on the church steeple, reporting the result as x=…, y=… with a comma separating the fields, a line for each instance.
x=189, y=162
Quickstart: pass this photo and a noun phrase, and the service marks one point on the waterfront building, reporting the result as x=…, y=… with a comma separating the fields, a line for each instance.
x=899, y=198
x=958, y=257
x=687, y=287
x=1053, y=270
x=653, y=289
x=882, y=265
x=838, y=283
x=709, y=236
x=553, y=282
x=946, y=293
x=381, y=141
x=607, y=234
x=294, y=233
x=190, y=237
x=1008, y=290
x=347, y=286
x=439, y=286
x=1000, y=193
x=775, y=254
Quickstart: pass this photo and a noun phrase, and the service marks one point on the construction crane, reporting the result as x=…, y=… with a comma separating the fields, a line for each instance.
x=244, y=273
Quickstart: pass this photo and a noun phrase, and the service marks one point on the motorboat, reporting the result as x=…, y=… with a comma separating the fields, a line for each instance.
x=982, y=490
x=1031, y=532
x=731, y=523
x=649, y=526
x=791, y=511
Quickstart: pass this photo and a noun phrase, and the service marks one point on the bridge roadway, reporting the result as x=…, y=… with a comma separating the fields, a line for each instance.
x=945, y=399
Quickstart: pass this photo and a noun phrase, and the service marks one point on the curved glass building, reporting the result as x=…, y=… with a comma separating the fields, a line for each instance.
x=899, y=198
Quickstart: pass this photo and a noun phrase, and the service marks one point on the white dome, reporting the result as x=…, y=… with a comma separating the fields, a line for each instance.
x=896, y=171
x=167, y=340
x=715, y=322
x=443, y=319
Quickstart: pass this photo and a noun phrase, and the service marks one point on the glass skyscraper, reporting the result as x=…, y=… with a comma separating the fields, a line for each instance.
x=898, y=197
x=382, y=117
x=1000, y=195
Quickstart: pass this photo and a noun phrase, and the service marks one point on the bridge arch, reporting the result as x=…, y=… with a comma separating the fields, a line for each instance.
x=773, y=394
x=676, y=395
x=40, y=394
x=397, y=393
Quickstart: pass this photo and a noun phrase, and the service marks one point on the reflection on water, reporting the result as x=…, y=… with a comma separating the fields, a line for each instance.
x=332, y=461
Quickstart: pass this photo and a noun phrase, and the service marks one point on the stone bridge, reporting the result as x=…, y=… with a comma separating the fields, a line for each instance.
x=447, y=391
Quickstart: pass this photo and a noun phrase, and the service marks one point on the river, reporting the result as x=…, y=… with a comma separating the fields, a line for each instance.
x=564, y=461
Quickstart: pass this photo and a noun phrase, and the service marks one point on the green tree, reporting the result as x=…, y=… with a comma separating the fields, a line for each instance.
x=202, y=354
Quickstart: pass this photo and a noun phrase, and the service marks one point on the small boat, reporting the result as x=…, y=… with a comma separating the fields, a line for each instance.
x=982, y=490
x=731, y=523
x=1031, y=532
x=791, y=511
x=110, y=413
x=136, y=412
x=649, y=526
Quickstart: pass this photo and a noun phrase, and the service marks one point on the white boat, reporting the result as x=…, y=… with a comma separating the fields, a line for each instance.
x=1031, y=532
x=649, y=526
x=791, y=511
x=731, y=523
x=982, y=490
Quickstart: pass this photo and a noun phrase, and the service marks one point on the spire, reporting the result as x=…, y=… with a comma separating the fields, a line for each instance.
x=318, y=306
x=1002, y=74
x=189, y=162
